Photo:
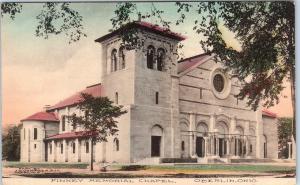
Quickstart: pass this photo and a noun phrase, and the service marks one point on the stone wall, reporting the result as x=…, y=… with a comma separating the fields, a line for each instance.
x=271, y=134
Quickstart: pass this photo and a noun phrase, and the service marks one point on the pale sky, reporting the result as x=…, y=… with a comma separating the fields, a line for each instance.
x=37, y=72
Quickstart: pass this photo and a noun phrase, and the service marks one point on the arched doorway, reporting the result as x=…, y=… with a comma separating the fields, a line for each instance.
x=265, y=146
x=239, y=146
x=223, y=132
x=252, y=144
x=185, y=136
x=200, y=141
x=156, y=140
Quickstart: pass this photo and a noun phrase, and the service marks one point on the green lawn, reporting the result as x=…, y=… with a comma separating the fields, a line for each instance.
x=211, y=167
x=174, y=171
x=221, y=167
x=184, y=169
x=44, y=165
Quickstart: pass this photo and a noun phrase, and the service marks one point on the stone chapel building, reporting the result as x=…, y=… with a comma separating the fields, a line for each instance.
x=178, y=111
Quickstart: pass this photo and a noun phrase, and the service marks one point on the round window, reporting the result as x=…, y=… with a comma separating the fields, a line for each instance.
x=218, y=82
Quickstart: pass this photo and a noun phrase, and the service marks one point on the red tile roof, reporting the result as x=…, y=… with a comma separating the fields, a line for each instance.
x=146, y=26
x=42, y=116
x=70, y=135
x=191, y=61
x=94, y=90
x=269, y=113
x=161, y=30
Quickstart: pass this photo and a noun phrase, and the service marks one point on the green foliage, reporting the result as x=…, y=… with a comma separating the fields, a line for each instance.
x=11, y=144
x=11, y=9
x=57, y=18
x=266, y=33
x=99, y=117
x=284, y=135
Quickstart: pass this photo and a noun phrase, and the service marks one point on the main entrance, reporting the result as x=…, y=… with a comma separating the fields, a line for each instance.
x=155, y=146
x=200, y=146
x=156, y=141
x=222, y=147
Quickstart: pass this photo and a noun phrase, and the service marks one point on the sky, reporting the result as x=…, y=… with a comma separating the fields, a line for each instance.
x=38, y=72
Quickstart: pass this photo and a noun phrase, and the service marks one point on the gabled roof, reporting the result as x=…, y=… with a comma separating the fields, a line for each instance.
x=42, y=116
x=145, y=26
x=70, y=135
x=94, y=90
x=190, y=63
x=269, y=113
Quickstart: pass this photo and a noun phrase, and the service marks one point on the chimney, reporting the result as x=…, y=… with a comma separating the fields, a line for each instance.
x=47, y=107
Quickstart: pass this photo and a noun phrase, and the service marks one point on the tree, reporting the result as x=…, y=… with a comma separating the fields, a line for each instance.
x=265, y=30
x=284, y=135
x=11, y=144
x=98, y=120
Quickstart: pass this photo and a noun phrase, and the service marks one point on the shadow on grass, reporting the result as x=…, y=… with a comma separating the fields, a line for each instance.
x=45, y=165
x=133, y=167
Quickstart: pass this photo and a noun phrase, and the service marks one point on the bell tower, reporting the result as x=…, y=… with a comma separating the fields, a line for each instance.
x=145, y=81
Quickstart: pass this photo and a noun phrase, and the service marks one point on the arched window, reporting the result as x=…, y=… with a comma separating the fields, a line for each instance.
x=160, y=59
x=35, y=133
x=87, y=147
x=74, y=124
x=74, y=147
x=150, y=57
x=116, y=98
x=116, y=144
x=182, y=146
x=61, y=148
x=50, y=147
x=114, y=60
x=122, y=57
x=63, y=123
x=156, y=97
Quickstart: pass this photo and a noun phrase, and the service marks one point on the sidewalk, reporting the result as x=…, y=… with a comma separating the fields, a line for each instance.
x=71, y=172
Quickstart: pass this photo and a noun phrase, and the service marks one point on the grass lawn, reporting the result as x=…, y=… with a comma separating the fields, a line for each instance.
x=10, y=164
x=211, y=167
x=232, y=167
x=173, y=171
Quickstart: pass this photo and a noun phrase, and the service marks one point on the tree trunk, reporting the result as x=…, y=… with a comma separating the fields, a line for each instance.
x=293, y=103
x=92, y=156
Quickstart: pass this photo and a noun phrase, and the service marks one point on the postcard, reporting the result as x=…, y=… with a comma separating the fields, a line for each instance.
x=148, y=92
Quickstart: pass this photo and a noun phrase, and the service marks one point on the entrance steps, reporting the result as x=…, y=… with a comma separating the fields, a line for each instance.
x=285, y=160
x=149, y=161
x=252, y=160
x=178, y=160
x=157, y=160
x=216, y=160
